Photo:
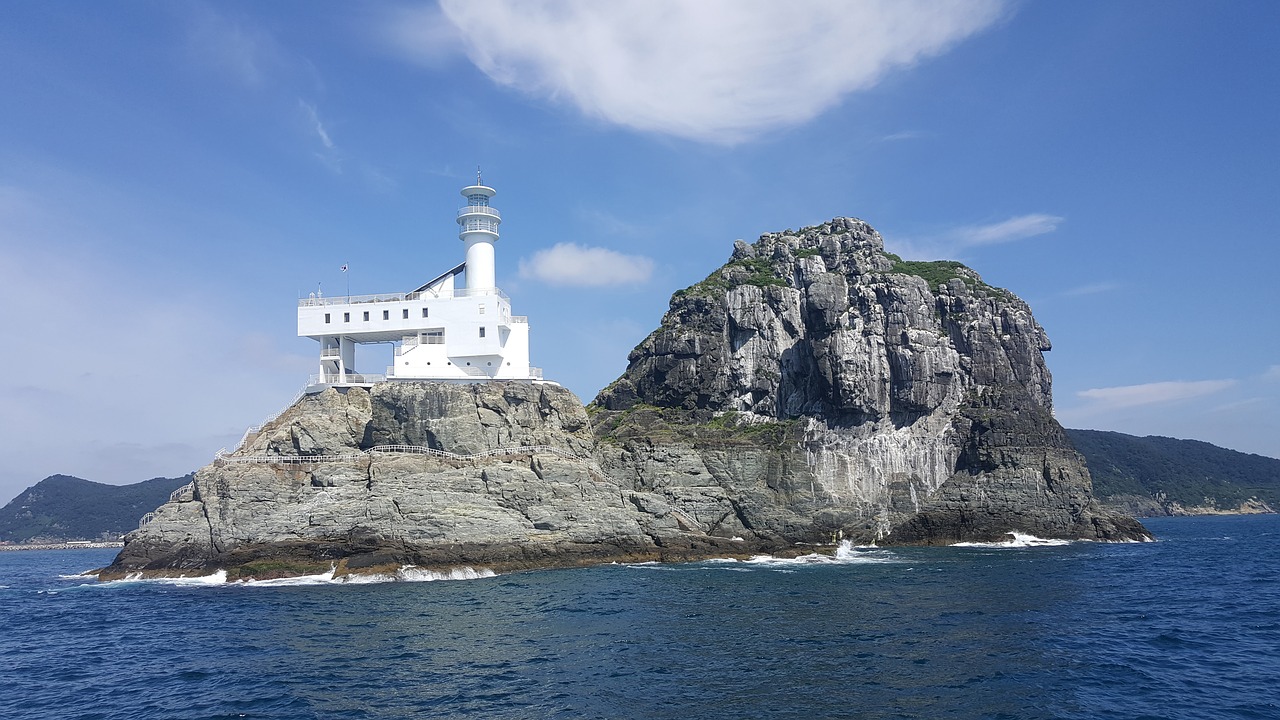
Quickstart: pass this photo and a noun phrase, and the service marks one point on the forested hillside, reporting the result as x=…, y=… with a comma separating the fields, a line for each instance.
x=1159, y=475
x=62, y=507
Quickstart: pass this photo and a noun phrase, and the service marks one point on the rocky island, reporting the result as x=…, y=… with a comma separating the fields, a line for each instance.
x=813, y=389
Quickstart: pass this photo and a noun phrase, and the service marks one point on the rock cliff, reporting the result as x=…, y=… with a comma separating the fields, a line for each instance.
x=816, y=386
x=513, y=485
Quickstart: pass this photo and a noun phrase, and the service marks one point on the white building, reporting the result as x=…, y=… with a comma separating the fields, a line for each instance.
x=439, y=331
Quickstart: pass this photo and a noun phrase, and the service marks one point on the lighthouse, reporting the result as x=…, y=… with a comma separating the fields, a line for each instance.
x=438, y=331
x=478, y=230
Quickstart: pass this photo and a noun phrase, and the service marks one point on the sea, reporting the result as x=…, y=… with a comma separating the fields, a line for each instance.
x=1185, y=627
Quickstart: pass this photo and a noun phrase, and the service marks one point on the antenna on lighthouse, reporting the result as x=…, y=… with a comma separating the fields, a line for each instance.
x=478, y=180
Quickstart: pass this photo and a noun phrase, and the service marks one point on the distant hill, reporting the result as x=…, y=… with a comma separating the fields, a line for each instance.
x=62, y=507
x=1150, y=476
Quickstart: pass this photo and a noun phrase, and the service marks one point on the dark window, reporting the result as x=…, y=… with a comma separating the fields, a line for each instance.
x=366, y=317
x=481, y=332
x=406, y=314
x=346, y=317
x=424, y=312
x=386, y=314
x=326, y=318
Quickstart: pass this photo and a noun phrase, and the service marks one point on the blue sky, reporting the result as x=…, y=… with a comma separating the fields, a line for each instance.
x=174, y=175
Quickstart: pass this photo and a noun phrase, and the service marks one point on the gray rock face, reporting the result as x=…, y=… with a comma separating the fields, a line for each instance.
x=911, y=401
x=324, y=502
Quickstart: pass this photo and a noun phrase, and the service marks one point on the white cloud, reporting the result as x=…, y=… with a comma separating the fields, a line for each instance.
x=1091, y=289
x=1015, y=228
x=717, y=70
x=572, y=264
x=1127, y=396
x=233, y=47
x=318, y=126
x=903, y=135
x=951, y=243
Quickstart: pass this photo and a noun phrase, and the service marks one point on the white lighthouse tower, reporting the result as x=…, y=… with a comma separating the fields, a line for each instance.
x=479, y=231
x=439, y=331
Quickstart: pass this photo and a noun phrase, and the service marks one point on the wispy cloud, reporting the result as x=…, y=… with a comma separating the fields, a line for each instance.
x=720, y=71
x=903, y=135
x=576, y=265
x=1091, y=289
x=233, y=47
x=1019, y=227
x=1272, y=374
x=328, y=153
x=608, y=224
x=318, y=126
x=1127, y=396
x=951, y=243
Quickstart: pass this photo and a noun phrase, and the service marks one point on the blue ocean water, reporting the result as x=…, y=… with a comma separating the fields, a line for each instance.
x=1188, y=627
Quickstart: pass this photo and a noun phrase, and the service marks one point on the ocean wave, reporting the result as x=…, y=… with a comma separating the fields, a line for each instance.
x=846, y=554
x=407, y=573
x=1018, y=540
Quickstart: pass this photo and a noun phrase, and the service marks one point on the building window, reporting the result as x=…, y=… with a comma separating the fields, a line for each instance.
x=366, y=316
x=482, y=309
x=424, y=312
x=346, y=317
x=386, y=314
x=481, y=332
x=406, y=314
x=326, y=318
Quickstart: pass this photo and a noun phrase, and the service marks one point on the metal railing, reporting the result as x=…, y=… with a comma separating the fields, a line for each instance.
x=482, y=224
x=330, y=352
x=412, y=341
x=351, y=379
x=479, y=210
x=523, y=319
x=398, y=297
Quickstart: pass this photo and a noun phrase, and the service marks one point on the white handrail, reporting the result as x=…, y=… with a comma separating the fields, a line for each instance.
x=479, y=210
x=398, y=297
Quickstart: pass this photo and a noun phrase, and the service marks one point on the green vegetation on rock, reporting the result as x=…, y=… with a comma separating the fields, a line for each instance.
x=759, y=273
x=936, y=272
x=940, y=272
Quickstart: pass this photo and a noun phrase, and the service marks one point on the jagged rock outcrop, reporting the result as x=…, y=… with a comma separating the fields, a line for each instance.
x=313, y=498
x=816, y=386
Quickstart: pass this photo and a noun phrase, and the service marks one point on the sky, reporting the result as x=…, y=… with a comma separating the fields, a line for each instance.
x=175, y=174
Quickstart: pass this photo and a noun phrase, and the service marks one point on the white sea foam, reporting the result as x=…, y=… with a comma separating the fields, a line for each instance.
x=407, y=573
x=1017, y=540
x=218, y=578
x=846, y=554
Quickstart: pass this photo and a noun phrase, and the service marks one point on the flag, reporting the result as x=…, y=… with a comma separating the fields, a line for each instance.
x=344, y=267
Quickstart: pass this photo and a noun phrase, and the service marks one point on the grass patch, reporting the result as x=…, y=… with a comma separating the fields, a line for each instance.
x=941, y=272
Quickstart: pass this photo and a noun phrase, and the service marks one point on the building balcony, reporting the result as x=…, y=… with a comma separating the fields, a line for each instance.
x=479, y=210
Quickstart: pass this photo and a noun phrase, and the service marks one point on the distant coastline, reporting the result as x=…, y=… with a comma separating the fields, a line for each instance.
x=61, y=546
